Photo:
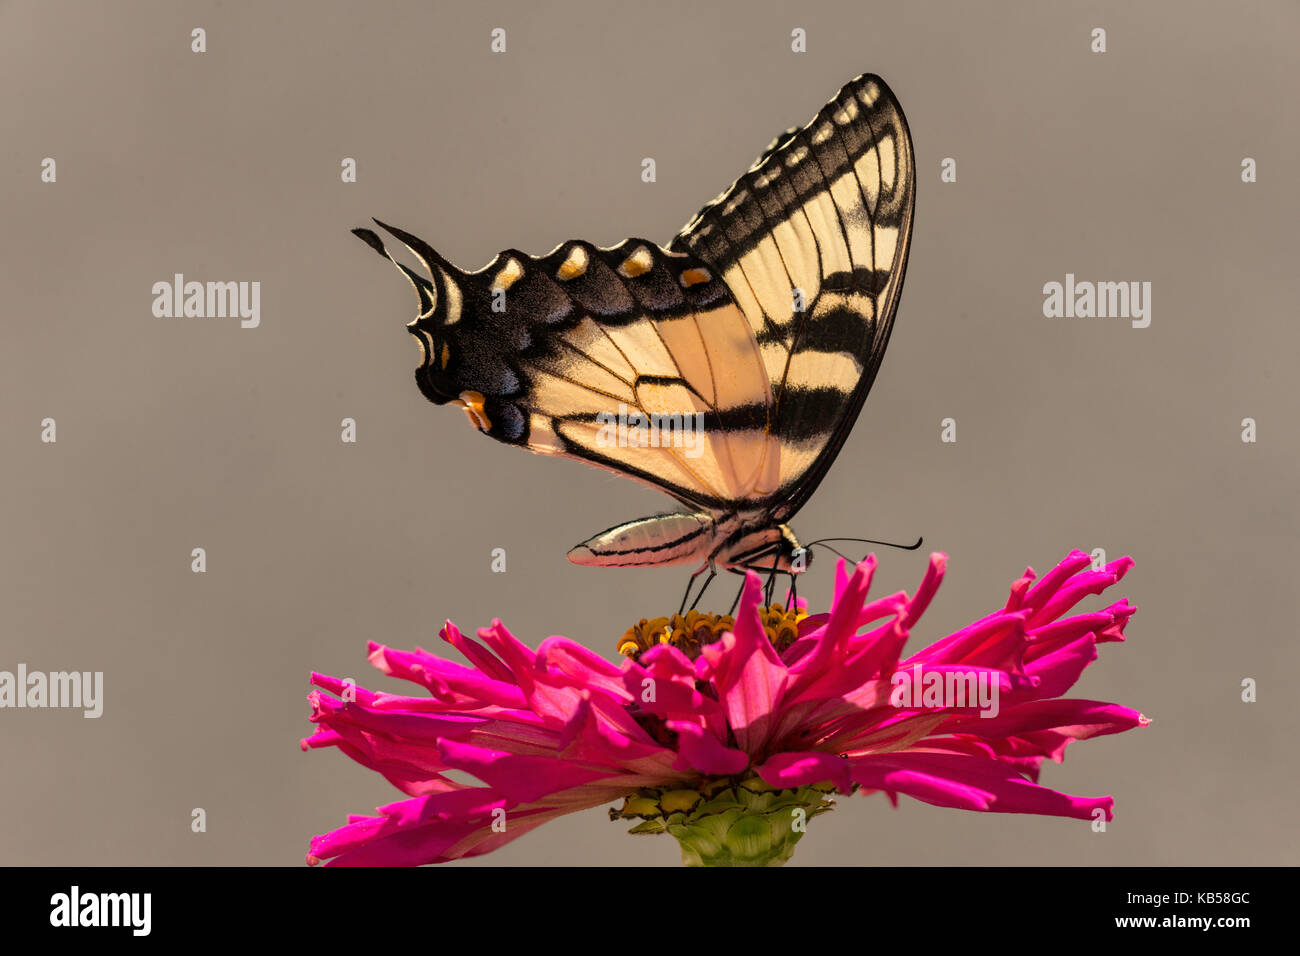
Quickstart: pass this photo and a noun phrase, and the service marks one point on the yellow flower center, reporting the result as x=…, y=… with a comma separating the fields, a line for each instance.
x=691, y=631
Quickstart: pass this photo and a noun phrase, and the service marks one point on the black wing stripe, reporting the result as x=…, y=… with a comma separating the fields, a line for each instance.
x=832, y=175
x=894, y=131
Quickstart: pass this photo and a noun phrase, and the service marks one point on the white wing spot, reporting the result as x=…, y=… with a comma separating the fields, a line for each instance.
x=453, y=298
x=888, y=169
x=732, y=206
x=846, y=113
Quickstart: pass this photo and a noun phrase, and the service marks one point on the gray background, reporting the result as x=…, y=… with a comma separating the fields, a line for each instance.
x=175, y=434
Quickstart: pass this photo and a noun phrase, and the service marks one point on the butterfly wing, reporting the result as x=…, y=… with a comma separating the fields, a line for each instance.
x=560, y=354
x=826, y=210
x=760, y=328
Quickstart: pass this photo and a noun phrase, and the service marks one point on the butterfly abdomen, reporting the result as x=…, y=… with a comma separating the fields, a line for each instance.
x=658, y=540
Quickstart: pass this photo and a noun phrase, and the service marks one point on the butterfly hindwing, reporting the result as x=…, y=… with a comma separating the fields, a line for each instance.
x=684, y=355
x=821, y=220
x=561, y=353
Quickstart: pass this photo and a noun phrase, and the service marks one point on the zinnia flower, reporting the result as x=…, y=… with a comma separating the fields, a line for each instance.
x=730, y=735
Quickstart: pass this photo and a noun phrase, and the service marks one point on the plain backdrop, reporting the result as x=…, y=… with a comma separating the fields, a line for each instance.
x=182, y=433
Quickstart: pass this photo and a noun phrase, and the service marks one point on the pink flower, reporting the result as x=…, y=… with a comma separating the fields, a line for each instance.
x=707, y=735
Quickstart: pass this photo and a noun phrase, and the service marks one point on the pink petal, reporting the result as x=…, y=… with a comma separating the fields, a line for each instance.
x=929, y=587
x=475, y=653
x=514, y=655
x=1076, y=719
x=703, y=752
x=843, y=623
x=1051, y=582
x=806, y=768
x=520, y=778
x=970, y=783
x=582, y=667
x=409, y=832
x=749, y=677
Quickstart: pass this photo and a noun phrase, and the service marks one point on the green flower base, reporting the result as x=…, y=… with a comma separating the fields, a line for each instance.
x=729, y=821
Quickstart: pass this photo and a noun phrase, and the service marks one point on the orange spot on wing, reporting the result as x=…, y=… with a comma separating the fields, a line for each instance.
x=639, y=263
x=472, y=402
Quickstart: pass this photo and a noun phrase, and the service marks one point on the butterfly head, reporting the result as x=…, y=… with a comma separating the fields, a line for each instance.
x=792, y=557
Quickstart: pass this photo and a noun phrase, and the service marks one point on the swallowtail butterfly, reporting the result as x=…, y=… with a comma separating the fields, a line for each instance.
x=756, y=333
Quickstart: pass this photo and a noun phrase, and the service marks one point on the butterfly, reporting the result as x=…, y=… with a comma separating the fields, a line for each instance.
x=725, y=369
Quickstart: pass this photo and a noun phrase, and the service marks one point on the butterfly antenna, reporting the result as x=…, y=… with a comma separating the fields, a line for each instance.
x=886, y=544
x=821, y=542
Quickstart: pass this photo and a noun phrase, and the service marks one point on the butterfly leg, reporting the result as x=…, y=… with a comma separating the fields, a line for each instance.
x=731, y=611
x=771, y=582
x=713, y=573
x=690, y=583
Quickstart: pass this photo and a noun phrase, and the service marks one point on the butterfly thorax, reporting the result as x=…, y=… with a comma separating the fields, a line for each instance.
x=762, y=547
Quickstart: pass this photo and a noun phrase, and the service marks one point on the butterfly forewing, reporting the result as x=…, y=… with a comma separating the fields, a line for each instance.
x=812, y=242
